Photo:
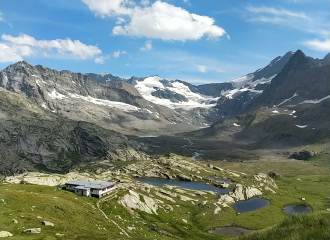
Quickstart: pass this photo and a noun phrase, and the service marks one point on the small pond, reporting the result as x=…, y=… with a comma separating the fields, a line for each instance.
x=220, y=179
x=231, y=230
x=250, y=205
x=184, y=184
x=297, y=209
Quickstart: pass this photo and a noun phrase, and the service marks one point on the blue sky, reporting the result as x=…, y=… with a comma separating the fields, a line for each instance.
x=192, y=40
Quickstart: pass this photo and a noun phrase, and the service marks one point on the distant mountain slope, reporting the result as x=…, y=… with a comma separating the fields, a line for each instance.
x=33, y=138
x=104, y=77
x=294, y=108
x=115, y=105
x=299, y=80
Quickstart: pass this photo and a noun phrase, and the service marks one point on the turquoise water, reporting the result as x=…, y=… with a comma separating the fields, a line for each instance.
x=297, y=209
x=184, y=184
x=250, y=205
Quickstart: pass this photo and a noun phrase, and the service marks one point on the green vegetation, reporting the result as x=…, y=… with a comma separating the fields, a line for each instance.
x=314, y=226
x=79, y=218
x=75, y=216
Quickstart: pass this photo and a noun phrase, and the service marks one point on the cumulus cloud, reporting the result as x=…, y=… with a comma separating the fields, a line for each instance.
x=158, y=20
x=318, y=45
x=147, y=46
x=144, y=3
x=8, y=54
x=63, y=46
x=117, y=54
x=101, y=59
x=110, y=7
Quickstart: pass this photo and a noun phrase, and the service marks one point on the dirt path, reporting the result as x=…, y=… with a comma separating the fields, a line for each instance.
x=107, y=198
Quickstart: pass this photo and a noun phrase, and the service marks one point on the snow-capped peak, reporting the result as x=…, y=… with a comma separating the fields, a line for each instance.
x=150, y=85
x=103, y=74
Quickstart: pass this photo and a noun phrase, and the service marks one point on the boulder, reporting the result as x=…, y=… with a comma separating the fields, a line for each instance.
x=226, y=199
x=47, y=223
x=173, y=195
x=4, y=234
x=251, y=192
x=238, y=193
x=202, y=204
x=217, y=210
x=15, y=221
x=218, y=169
x=183, y=177
x=273, y=175
x=32, y=230
x=132, y=200
x=165, y=197
x=184, y=198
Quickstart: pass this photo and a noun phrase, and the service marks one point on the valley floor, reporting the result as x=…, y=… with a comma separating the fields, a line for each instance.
x=77, y=217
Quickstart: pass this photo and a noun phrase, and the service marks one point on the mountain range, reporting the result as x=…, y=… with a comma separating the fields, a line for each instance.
x=56, y=119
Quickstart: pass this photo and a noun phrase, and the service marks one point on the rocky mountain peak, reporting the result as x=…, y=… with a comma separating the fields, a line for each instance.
x=299, y=61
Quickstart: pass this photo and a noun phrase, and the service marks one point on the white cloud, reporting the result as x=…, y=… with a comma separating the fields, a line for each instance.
x=159, y=20
x=120, y=20
x=220, y=71
x=26, y=45
x=110, y=8
x=201, y=68
x=144, y=3
x=285, y=14
x=117, y=54
x=318, y=45
x=8, y=54
x=147, y=46
x=101, y=59
x=298, y=20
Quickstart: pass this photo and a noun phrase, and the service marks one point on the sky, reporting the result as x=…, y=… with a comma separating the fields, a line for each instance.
x=191, y=40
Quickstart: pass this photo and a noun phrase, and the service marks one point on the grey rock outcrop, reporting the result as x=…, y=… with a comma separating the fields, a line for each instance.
x=184, y=177
x=132, y=200
x=48, y=223
x=32, y=230
x=4, y=234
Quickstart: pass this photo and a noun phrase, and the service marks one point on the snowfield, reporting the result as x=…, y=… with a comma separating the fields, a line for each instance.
x=123, y=106
x=195, y=100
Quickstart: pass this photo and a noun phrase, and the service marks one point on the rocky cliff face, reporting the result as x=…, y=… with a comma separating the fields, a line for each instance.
x=300, y=79
x=114, y=105
x=33, y=138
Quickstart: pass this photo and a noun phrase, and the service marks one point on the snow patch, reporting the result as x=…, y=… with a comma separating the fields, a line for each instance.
x=103, y=74
x=236, y=125
x=315, y=101
x=301, y=126
x=44, y=106
x=151, y=84
x=113, y=104
x=55, y=95
x=275, y=111
x=286, y=100
x=293, y=111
